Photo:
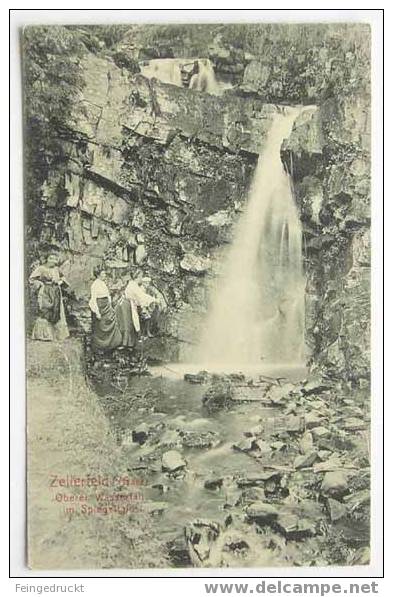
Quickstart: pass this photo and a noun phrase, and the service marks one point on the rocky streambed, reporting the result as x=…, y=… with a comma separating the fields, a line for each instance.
x=248, y=471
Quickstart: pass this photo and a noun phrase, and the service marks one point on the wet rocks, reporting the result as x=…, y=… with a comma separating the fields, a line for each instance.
x=361, y=557
x=293, y=526
x=320, y=432
x=315, y=386
x=261, y=511
x=218, y=396
x=353, y=424
x=258, y=479
x=140, y=434
x=334, y=483
x=195, y=264
x=305, y=460
x=244, y=393
x=199, y=439
x=313, y=419
x=173, y=461
x=335, y=509
x=357, y=500
x=214, y=483
x=252, y=494
x=197, y=378
x=332, y=464
x=200, y=536
x=306, y=442
x=244, y=445
x=178, y=552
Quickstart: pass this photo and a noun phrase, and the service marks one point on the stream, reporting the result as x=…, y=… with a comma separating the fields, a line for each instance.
x=233, y=457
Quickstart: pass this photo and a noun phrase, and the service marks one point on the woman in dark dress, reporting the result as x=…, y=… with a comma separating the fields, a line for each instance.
x=48, y=283
x=106, y=334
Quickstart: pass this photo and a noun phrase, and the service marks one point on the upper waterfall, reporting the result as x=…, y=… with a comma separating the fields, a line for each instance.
x=166, y=70
x=204, y=79
x=257, y=307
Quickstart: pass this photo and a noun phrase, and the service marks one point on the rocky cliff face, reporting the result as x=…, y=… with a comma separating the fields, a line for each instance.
x=329, y=157
x=153, y=176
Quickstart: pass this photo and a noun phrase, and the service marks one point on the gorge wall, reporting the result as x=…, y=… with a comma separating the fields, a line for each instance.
x=329, y=157
x=153, y=176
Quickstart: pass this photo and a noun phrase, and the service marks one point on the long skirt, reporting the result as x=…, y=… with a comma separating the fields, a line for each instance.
x=51, y=322
x=126, y=324
x=106, y=333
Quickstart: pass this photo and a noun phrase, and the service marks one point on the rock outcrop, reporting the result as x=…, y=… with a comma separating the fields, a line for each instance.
x=328, y=155
x=155, y=177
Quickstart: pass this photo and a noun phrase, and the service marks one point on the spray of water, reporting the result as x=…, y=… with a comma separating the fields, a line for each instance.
x=166, y=70
x=205, y=78
x=257, y=308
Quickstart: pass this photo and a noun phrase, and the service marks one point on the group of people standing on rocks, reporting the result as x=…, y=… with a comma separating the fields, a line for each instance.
x=135, y=314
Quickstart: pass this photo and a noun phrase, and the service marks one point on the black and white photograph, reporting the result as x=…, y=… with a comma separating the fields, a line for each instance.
x=197, y=267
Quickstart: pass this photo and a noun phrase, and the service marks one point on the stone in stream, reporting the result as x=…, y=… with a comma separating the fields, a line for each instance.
x=197, y=378
x=293, y=526
x=214, y=483
x=218, y=396
x=278, y=446
x=249, y=394
x=237, y=377
x=306, y=442
x=200, y=536
x=315, y=386
x=171, y=439
x=178, y=552
x=320, y=432
x=199, y=439
x=258, y=479
x=236, y=542
x=332, y=464
x=335, y=509
x=335, y=483
x=261, y=512
x=358, y=499
x=244, y=445
x=312, y=419
x=353, y=424
x=293, y=424
x=255, y=431
x=361, y=557
x=277, y=394
x=195, y=264
x=253, y=494
x=305, y=460
x=173, y=461
x=262, y=446
x=140, y=434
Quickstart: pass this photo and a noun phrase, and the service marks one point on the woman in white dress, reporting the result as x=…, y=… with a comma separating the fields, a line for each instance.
x=135, y=301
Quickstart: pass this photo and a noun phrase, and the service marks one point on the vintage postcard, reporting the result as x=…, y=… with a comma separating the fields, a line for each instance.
x=197, y=250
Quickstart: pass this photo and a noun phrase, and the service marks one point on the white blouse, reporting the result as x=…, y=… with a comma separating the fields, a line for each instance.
x=138, y=298
x=98, y=290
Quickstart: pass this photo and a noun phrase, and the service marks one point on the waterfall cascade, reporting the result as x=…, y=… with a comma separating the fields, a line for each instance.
x=257, y=308
x=197, y=74
x=166, y=70
x=204, y=79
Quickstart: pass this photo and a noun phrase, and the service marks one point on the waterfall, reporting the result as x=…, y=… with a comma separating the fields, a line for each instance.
x=204, y=79
x=166, y=70
x=257, y=308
